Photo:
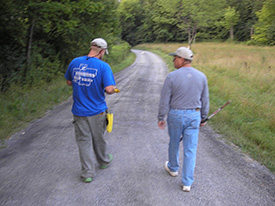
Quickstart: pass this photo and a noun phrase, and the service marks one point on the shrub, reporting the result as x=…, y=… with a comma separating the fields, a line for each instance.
x=118, y=52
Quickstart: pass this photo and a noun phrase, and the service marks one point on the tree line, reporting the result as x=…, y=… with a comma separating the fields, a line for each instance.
x=198, y=20
x=40, y=37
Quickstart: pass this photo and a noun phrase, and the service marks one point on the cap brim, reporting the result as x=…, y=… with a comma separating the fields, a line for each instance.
x=172, y=54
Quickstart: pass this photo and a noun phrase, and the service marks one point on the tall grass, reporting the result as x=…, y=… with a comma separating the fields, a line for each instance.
x=245, y=75
x=21, y=105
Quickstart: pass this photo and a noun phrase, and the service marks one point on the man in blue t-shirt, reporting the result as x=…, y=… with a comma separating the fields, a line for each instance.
x=90, y=78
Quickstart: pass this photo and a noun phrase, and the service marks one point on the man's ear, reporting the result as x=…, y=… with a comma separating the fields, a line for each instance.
x=102, y=52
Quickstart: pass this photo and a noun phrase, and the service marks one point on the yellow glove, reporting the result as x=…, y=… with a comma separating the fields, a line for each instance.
x=110, y=118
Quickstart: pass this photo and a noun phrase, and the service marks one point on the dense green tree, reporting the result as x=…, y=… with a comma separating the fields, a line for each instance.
x=180, y=20
x=198, y=17
x=231, y=18
x=247, y=11
x=40, y=37
x=175, y=20
x=12, y=39
x=162, y=15
x=132, y=16
x=265, y=27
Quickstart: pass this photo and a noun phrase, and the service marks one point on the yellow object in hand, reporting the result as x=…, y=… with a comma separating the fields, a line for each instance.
x=110, y=118
x=117, y=90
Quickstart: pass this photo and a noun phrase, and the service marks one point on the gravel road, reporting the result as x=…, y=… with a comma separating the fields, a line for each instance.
x=41, y=164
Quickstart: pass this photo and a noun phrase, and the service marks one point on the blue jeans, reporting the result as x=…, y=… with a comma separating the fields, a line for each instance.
x=185, y=123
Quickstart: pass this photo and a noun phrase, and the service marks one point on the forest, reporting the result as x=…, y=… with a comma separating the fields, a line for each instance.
x=40, y=37
x=251, y=21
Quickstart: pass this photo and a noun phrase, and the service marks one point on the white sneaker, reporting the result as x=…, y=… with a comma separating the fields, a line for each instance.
x=173, y=174
x=186, y=188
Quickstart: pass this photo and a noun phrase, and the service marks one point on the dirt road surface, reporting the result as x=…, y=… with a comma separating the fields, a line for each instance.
x=41, y=164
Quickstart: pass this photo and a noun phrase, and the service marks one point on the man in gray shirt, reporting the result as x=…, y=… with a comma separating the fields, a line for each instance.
x=185, y=98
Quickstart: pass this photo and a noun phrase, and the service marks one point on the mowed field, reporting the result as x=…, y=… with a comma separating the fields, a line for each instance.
x=245, y=75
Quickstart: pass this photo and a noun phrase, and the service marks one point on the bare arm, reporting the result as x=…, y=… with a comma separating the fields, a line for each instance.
x=69, y=83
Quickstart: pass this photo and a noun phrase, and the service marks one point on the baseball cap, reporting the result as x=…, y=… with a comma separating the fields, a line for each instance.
x=183, y=52
x=99, y=42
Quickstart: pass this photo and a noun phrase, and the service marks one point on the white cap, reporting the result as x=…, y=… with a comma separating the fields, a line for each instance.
x=183, y=52
x=99, y=42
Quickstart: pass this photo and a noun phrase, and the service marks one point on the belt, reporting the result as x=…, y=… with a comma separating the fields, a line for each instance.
x=197, y=109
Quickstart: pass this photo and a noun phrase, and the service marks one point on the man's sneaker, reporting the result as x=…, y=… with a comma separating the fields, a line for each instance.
x=104, y=166
x=173, y=174
x=87, y=180
x=186, y=188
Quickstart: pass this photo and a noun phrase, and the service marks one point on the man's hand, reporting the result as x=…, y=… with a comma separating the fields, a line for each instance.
x=203, y=124
x=161, y=124
x=69, y=83
x=110, y=89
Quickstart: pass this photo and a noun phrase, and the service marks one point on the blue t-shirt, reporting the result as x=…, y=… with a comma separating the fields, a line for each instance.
x=89, y=78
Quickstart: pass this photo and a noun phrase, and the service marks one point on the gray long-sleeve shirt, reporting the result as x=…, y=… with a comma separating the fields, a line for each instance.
x=185, y=88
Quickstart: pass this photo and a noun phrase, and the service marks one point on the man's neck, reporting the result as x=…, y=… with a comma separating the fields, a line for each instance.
x=93, y=54
x=186, y=65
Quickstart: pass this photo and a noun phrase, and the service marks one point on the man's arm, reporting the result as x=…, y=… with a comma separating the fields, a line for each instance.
x=69, y=83
x=205, y=103
x=164, y=102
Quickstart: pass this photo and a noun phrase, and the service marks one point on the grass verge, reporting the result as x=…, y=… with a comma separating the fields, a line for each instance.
x=245, y=75
x=21, y=105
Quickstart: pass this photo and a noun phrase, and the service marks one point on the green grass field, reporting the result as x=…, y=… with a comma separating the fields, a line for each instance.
x=245, y=75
